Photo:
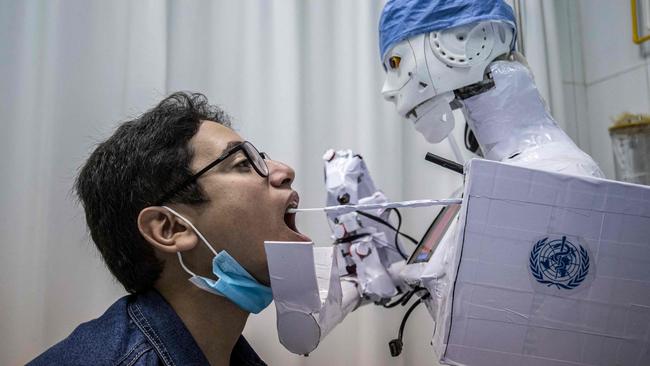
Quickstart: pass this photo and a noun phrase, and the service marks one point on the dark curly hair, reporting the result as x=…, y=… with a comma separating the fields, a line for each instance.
x=131, y=170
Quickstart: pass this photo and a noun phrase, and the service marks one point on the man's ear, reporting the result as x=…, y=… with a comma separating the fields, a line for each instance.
x=164, y=231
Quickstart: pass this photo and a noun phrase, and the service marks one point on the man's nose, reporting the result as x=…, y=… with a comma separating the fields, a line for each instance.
x=280, y=174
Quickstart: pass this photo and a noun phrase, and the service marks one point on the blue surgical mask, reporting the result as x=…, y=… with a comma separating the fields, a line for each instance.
x=234, y=282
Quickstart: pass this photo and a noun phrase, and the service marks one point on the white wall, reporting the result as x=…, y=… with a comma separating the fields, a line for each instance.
x=603, y=74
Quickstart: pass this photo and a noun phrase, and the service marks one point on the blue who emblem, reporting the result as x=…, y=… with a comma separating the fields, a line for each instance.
x=559, y=263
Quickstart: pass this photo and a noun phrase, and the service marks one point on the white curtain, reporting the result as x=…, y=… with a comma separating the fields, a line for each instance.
x=298, y=76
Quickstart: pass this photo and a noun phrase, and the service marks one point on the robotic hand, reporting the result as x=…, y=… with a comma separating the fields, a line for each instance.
x=369, y=246
x=314, y=288
x=364, y=241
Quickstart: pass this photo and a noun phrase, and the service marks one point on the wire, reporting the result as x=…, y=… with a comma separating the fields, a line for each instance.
x=384, y=222
x=471, y=143
x=405, y=298
x=396, y=345
x=398, y=301
x=415, y=291
x=397, y=231
x=400, y=334
x=399, y=226
x=350, y=238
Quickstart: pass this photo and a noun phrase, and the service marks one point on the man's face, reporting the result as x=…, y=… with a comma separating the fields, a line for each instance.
x=244, y=209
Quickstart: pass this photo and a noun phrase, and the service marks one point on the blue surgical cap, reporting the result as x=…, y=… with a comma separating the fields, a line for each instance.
x=402, y=19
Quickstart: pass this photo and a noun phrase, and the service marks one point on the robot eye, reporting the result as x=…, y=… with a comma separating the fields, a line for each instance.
x=394, y=61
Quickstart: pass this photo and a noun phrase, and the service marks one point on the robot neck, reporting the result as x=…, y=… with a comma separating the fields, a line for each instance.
x=511, y=117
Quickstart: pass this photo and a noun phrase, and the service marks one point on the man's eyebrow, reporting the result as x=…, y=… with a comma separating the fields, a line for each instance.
x=230, y=146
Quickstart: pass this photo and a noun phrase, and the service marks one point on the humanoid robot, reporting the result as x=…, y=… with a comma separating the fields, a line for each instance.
x=439, y=56
x=434, y=63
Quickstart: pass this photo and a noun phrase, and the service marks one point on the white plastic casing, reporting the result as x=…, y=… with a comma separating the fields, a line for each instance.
x=512, y=124
x=435, y=64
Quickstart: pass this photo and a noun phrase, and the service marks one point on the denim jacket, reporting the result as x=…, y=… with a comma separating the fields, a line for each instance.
x=140, y=329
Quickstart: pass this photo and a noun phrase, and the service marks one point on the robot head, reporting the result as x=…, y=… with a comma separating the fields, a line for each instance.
x=431, y=48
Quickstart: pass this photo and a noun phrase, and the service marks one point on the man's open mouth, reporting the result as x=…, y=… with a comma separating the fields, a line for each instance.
x=290, y=218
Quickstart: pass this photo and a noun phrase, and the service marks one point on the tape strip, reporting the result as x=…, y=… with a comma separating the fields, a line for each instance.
x=373, y=206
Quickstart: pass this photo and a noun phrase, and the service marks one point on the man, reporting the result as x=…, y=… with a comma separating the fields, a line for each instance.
x=175, y=195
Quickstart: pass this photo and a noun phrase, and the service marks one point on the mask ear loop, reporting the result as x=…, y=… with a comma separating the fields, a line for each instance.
x=180, y=258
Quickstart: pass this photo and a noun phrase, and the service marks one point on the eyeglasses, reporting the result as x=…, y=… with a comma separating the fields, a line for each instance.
x=256, y=158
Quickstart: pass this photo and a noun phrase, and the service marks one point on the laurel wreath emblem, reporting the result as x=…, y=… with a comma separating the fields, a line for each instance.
x=538, y=274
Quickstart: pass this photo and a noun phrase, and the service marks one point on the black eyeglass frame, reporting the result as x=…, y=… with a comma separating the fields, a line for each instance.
x=245, y=146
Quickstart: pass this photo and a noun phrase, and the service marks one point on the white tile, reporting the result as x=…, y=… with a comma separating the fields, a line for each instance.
x=607, y=40
x=627, y=92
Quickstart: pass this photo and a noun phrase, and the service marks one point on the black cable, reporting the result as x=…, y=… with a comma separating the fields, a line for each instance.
x=471, y=143
x=396, y=344
x=384, y=222
x=400, y=334
x=399, y=226
x=350, y=238
x=413, y=292
x=397, y=232
x=405, y=298
x=398, y=301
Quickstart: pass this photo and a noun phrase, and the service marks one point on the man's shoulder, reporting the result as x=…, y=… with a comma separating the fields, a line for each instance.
x=113, y=339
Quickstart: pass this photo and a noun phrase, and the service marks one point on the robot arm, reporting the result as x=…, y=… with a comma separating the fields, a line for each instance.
x=311, y=298
x=368, y=247
x=362, y=266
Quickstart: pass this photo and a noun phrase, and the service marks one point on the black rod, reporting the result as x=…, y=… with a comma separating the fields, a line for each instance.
x=445, y=163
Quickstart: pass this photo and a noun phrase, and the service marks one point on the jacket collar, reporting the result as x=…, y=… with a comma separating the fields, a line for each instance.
x=164, y=329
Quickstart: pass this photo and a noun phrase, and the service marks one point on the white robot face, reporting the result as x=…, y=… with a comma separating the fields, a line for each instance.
x=423, y=71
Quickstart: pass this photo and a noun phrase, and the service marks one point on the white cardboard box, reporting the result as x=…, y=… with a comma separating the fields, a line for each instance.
x=554, y=270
